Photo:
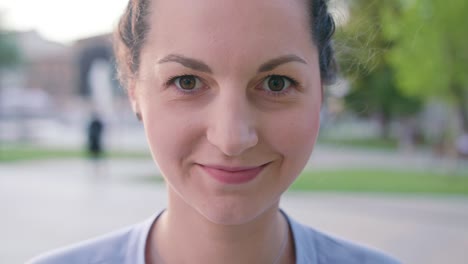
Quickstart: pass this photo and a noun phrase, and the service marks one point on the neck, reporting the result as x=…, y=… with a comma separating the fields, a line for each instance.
x=183, y=235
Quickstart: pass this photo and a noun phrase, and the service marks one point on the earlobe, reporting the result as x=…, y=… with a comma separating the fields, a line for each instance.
x=135, y=107
x=133, y=100
x=138, y=115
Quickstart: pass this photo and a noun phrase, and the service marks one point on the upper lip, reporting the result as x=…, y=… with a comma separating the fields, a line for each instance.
x=232, y=168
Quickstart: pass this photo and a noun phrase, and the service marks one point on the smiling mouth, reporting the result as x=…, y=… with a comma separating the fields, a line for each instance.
x=232, y=175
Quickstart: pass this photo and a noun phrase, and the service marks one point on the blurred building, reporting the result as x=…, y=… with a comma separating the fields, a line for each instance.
x=59, y=84
x=47, y=65
x=95, y=68
x=62, y=71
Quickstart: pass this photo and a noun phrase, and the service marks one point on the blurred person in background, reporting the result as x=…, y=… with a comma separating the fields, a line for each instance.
x=229, y=93
x=95, y=149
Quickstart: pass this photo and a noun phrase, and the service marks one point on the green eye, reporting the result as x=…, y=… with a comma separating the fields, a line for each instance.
x=187, y=83
x=276, y=83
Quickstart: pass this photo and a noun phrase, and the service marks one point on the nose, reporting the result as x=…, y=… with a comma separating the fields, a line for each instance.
x=232, y=126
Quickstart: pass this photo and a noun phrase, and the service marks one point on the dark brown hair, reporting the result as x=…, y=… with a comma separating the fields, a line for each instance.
x=133, y=28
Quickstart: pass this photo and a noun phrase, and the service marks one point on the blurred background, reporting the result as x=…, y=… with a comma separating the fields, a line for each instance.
x=390, y=169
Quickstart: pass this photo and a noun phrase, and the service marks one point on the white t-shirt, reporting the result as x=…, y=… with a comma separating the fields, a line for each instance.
x=127, y=246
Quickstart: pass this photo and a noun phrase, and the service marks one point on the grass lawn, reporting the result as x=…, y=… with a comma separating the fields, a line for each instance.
x=20, y=153
x=382, y=181
x=368, y=143
x=374, y=181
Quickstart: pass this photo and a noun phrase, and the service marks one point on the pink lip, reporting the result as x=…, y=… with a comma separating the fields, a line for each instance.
x=232, y=175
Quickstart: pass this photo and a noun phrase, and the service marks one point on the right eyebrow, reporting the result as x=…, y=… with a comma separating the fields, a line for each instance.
x=193, y=64
x=273, y=63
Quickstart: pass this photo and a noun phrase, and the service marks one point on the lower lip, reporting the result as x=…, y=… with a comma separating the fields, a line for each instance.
x=233, y=177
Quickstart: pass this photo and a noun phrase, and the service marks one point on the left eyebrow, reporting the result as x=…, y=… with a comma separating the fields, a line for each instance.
x=187, y=62
x=273, y=63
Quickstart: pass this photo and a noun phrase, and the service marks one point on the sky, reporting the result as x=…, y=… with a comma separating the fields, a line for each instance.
x=62, y=20
x=66, y=20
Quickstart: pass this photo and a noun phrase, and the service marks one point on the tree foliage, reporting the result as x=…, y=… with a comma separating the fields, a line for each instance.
x=430, y=51
x=9, y=54
x=364, y=59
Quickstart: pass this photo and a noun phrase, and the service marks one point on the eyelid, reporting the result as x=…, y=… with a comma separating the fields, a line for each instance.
x=294, y=84
x=171, y=82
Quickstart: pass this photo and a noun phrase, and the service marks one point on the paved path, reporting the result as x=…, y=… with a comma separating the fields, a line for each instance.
x=48, y=204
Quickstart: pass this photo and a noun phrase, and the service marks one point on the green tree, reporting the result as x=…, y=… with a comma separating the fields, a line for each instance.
x=430, y=55
x=9, y=54
x=363, y=57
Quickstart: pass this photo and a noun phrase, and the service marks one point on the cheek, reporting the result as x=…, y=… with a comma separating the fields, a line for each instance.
x=294, y=137
x=171, y=135
x=298, y=135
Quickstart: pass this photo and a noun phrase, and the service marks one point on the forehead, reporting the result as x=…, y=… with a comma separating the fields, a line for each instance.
x=229, y=30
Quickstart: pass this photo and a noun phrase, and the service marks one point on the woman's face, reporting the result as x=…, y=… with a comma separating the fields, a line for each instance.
x=230, y=95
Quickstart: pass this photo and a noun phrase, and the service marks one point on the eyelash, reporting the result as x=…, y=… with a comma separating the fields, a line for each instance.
x=171, y=81
x=294, y=83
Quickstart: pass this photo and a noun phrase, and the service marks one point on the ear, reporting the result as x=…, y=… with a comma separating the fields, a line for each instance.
x=133, y=97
